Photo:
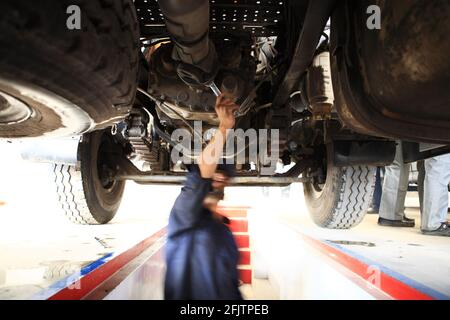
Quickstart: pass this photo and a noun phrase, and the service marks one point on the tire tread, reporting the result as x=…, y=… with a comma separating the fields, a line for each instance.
x=71, y=196
x=351, y=192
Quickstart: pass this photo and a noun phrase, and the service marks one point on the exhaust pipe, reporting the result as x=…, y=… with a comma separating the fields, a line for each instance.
x=187, y=22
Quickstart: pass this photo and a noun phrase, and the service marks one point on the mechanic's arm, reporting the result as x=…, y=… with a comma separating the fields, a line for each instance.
x=189, y=204
x=208, y=159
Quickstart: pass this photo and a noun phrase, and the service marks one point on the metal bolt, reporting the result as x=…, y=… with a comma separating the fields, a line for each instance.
x=292, y=145
x=182, y=96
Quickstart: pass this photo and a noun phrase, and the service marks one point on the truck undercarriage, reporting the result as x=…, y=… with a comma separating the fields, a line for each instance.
x=333, y=93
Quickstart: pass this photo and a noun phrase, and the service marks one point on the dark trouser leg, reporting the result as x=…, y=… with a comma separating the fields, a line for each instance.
x=377, y=192
x=420, y=179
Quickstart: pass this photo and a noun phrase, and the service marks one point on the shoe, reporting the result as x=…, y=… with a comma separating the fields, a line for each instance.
x=405, y=218
x=372, y=210
x=396, y=223
x=443, y=231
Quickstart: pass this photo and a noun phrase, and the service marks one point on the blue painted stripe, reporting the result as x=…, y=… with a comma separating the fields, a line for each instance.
x=408, y=281
x=97, y=263
x=68, y=280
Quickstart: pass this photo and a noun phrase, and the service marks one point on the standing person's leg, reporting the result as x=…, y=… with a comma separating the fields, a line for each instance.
x=395, y=185
x=435, y=198
x=390, y=188
x=420, y=181
x=403, y=188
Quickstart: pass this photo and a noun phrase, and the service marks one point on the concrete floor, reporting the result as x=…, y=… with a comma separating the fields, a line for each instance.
x=424, y=259
x=38, y=246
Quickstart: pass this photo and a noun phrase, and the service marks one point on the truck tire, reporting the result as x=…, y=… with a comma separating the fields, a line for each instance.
x=56, y=81
x=84, y=196
x=342, y=201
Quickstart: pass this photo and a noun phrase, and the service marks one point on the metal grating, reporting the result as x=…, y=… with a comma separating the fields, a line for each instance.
x=259, y=17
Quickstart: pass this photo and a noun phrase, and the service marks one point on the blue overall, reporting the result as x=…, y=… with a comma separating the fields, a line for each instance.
x=201, y=254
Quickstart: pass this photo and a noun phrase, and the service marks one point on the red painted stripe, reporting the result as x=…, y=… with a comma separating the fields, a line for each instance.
x=106, y=287
x=244, y=257
x=238, y=225
x=93, y=279
x=245, y=275
x=393, y=287
x=242, y=241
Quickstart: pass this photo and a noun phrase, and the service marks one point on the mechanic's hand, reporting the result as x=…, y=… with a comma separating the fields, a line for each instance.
x=225, y=109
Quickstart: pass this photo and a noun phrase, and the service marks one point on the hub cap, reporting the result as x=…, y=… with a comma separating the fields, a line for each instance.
x=12, y=110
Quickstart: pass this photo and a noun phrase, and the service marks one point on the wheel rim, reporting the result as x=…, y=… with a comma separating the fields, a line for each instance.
x=104, y=172
x=102, y=192
x=13, y=110
x=25, y=105
x=318, y=185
